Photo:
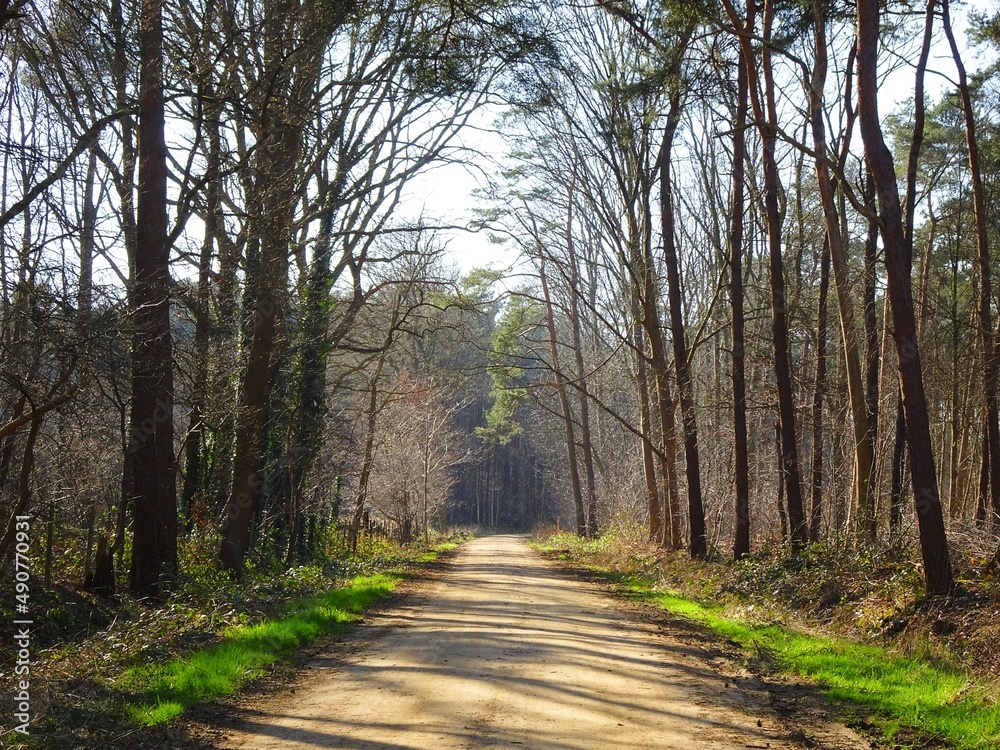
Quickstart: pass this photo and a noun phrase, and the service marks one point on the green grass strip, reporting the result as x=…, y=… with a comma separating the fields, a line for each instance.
x=903, y=691
x=166, y=691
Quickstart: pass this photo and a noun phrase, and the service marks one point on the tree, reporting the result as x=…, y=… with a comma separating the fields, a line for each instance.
x=741, y=539
x=864, y=454
x=816, y=483
x=586, y=440
x=564, y=403
x=766, y=117
x=991, y=368
x=898, y=252
x=698, y=543
x=151, y=486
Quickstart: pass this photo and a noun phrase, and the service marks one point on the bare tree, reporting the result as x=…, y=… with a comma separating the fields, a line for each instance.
x=765, y=114
x=741, y=542
x=151, y=474
x=991, y=368
x=898, y=244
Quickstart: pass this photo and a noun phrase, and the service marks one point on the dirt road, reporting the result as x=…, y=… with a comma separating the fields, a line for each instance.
x=504, y=649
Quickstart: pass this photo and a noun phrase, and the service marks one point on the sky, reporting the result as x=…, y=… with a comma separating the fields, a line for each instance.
x=446, y=194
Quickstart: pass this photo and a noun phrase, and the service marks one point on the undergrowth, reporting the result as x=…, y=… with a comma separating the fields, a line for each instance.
x=853, y=621
x=165, y=691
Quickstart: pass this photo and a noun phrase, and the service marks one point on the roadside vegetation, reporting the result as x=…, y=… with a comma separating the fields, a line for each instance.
x=165, y=690
x=921, y=672
x=106, y=667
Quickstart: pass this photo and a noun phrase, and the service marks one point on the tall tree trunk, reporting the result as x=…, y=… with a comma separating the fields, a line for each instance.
x=84, y=309
x=816, y=512
x=368, y=462
x=983, y=494
x=994, y=458
x=294, y=38
x=873, y=342
x=664, y=400
x=767, y=118
x=586, y=443
x=898, y=246
x=782, y=515
x=741, y=543
x=923, y=309
x=863, y=448
x=645, y=428
x=151, y=445
x=125, y=187
x=249, y=433
x=314, y=343
x=85, y=288
x=697, y=543
x=567, y=414
x=898, y=470
x=779, y=303
x=991, y=368
x=23, y=501
x=120, y=72
x=272, y=200
x=194, y=474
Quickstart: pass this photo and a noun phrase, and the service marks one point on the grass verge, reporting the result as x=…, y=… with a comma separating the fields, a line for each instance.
x=903, y=692
x=163, y=692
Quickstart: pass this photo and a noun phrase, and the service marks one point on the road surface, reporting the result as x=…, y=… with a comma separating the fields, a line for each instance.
x=504, y=649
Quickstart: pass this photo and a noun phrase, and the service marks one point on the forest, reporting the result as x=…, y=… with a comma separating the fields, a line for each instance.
x=741, y=298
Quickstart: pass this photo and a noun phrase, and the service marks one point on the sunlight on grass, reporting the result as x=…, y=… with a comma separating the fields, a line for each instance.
x=165, y=691
x=432, y=554
x=903, y=690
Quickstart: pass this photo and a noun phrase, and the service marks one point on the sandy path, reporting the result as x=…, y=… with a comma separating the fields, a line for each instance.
x=505, y=649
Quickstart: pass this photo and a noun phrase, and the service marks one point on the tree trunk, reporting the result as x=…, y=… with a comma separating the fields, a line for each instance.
x=779, y=303
x=85, y=288
x=697, y=543
x=991, y=368
x=294, y=38
x=151, y=444
x=645, y=427
x=767, y=126
x=863, y=448
x=269, y=277
x=983, y=494
x=587, y=443
x=873, y=343
x=295, y=523
x=782, y=515
x=194, y=474
x=23, y=491
x=664, y=399
x=898, y=467
x=368, y=457
x=898, y=258
x=816, y=512
x=124, y=185
x=567, y=414
x=250, y=416
x=741, y=543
